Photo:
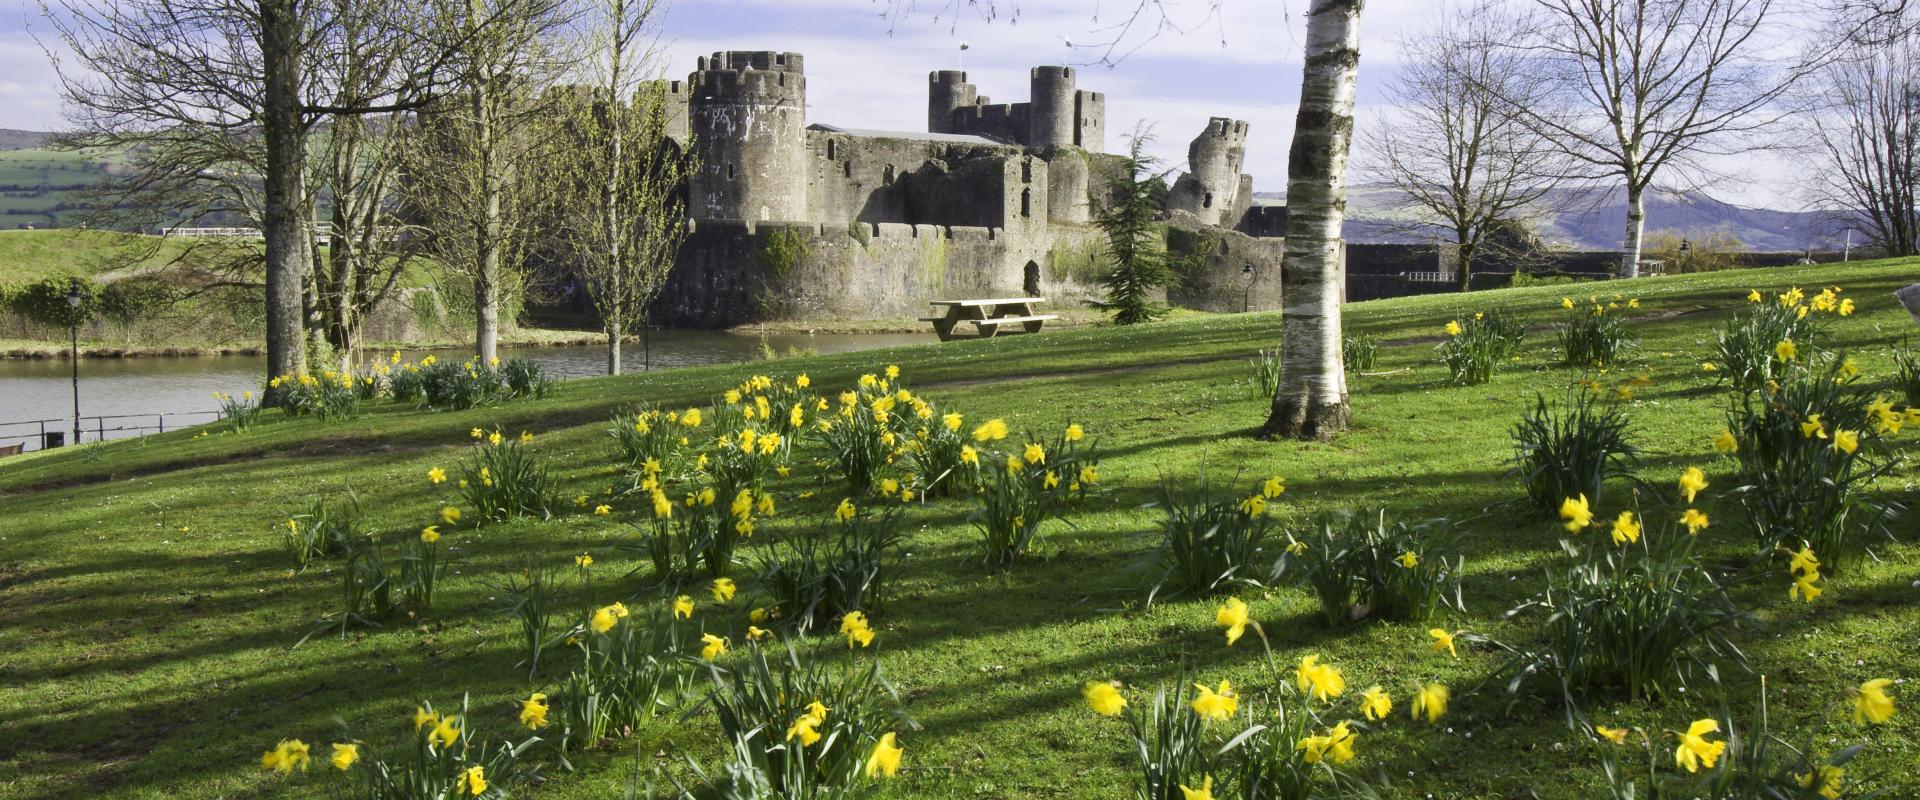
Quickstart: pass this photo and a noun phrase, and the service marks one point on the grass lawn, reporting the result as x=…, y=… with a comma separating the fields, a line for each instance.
x=147, y=615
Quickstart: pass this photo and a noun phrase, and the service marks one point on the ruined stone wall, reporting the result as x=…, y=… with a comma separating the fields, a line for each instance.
x=747, y=113
x=732, y=273
x=1212, y=267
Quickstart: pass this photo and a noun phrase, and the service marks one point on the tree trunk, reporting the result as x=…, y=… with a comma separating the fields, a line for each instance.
x=613, y=345
x=283, y=188
x=1636, y=225
x=1311, y=402
x=1465, y=255
x=486, y=285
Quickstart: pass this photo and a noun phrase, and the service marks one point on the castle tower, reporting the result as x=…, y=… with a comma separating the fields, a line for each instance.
x=1051, y=117
x=1210, y=188
x=947, y=91
x=748, y=117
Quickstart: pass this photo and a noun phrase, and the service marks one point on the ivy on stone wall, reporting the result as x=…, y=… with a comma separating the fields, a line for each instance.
x=784, y=250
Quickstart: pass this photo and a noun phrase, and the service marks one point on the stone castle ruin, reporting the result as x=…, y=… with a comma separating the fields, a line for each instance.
x=792, y=220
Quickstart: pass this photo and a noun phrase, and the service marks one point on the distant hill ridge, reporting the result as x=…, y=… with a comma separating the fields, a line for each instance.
x=11, y=139
x=1594, y=219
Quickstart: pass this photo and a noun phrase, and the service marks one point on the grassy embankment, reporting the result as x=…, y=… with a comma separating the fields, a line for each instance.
x=223, y=321
x=147, y=613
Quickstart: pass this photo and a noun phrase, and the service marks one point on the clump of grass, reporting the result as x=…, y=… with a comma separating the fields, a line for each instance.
x=1357, y=352
x=1594, y=335
x=331, y=396
x=1037, y=482
x=1478, y=345
x=504, y=480
x=1906, y=373
x=1263, y=375
x=1212, y=540
x=1762, y=341
x=240, y=414
x=1360, y=566
x=812, y=581
x=1571, y=451
x=324, y=529
x=630, y=669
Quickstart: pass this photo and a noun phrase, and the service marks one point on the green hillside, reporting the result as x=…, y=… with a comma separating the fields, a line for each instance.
x=149, y=616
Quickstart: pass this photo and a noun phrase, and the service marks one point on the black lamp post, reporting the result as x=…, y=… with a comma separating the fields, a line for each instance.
x=1246, y=298
x=73, y=302
x=1686, y=247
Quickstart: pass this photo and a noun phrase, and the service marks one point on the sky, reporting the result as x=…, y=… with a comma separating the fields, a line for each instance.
x=868, y=69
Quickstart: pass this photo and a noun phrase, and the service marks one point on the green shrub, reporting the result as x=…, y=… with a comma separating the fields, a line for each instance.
x=1263, y=375
x=1806, y=453
x=1357, y=352
x=44, y=302
x=524, y=379
x=812, y=580
x=1359, y=566
x=1763, y=340
x=462, y=385
x=1212, y=540
x=1476, y=347
x=503, y=480
x=631, y=667
x=1594, y=336
x=408, y=384
x=1644, y=616
x=797, y=727
x=1571, y=453
x=1028, y=487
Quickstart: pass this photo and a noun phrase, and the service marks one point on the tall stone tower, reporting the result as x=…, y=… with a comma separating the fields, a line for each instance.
x=947, y=91
x=1210, y=188
x=748, y=118
x=1051, y=116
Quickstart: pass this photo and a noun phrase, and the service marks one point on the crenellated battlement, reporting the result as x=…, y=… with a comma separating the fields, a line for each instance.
x=1230, y=129
x=764, y=60
x=778, y=87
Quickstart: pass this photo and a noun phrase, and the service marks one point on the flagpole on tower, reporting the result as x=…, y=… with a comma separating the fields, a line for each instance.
x=963, y=56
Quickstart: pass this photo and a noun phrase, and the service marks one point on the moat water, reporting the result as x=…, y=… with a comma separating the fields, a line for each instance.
x=43, y=390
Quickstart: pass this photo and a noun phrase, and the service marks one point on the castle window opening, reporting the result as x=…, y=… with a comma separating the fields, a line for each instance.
x=1030, y=279
x=1207, y=202
x=833, y=149
x=1223, y=247
x=1026, y=170
x=1026, y=202
x=886, y=176
x=846, y=168
x=729, y=170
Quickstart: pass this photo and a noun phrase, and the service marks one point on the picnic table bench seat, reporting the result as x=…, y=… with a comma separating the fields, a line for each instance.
x=989, y=317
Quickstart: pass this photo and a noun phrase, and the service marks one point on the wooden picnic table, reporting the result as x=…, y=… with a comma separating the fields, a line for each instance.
x=988, y=317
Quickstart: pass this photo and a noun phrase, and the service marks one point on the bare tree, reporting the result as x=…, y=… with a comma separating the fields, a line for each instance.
x=616, y=184
x=1311, y=402
x=1456, y=151
x=466, y=176
x=234, y=89
x=1635, y=89
x=1866, y=136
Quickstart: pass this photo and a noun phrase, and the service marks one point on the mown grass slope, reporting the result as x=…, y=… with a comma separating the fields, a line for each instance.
x=147, y=612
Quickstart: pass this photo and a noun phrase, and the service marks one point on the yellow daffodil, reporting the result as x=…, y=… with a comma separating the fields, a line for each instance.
x=533, y=711
x=1614, y=735
x=436, y=476
x=1075, y=432
x=683, y=607
x=723, y=589
x=1443, y=641
x=1824, y=780
x=430, y=534
x=968, y=455
x=715, y=646
x=1232, y=615
x=1804, y=589
x=1577, y=513
x=1215, y=705
x=446, y=731
x=1694, y=750
x=1322, y=681
x=1813, y=428
x=473, y=780
x=1848, y=441
x=802, y=380
x=991, y=430
x=845, y=511
x=1692, y=482
x=1626, y=529
x=450, y=515
x=344, y=755
x=884, y=759
x=755, y=634
x=1205, y=792
x=1431, y=701
x=285, y=757
x=1846, y=307
x=1694, y=520
x=1273, y=487
x=1726, y=442
x=1014, y=464
x=1871, y=703
x=1453, y=328
x=1786, y=350
x=583, y=561
x=1254, y=506
x=1407, y=560
x=526, y=437
x=602, y=510
x=495, y=438
x=854, y=626
x=804, y=729
x=422, y=718
x=1035, y=454
x=1089, y=475
x=1805, y=562
x=1566, y=302
x=476, y=433
x=1103, y=698
x=1375, y=703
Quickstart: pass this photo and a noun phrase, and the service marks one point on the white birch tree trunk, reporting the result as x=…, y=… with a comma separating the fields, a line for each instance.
x=1311, y=402
x=1636, y=228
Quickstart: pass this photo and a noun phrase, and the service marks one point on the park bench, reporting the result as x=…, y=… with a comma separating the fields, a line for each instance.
x=987, y=317
x=11, y=449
